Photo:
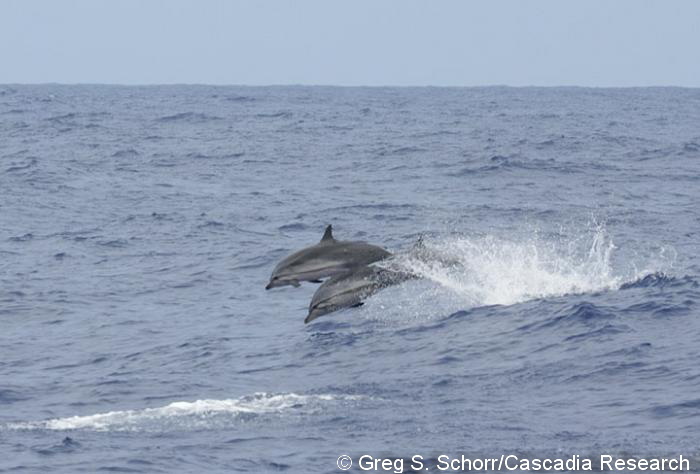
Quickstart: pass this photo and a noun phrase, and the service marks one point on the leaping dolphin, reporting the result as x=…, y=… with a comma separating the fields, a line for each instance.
x=327, y=258
x=352, y=288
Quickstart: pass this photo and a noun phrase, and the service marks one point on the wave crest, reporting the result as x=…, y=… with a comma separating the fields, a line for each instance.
x=200, y=414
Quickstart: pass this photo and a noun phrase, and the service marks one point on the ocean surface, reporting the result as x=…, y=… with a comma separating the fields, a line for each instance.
x=139, y=227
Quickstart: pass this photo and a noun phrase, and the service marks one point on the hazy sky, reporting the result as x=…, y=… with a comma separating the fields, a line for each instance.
x=352, y=42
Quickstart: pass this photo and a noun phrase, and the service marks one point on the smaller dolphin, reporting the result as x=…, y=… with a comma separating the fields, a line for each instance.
x=327, y=258
x=350, y=289
x=429, y=254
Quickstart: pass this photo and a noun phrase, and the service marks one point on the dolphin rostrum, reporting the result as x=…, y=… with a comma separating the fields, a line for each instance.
x=327, y=258
x=352, y=288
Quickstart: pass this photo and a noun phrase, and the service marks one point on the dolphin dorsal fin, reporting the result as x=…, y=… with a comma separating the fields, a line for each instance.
x=420, y=244
x=328, y=234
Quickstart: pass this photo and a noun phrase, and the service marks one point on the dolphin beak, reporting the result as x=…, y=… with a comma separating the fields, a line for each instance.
x=313, y=314
x=269, y=285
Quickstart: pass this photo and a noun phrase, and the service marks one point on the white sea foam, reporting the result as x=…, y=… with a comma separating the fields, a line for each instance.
x=468, y=271
x=197, y=414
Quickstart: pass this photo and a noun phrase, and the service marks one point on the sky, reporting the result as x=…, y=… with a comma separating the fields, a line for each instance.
x=352, y=42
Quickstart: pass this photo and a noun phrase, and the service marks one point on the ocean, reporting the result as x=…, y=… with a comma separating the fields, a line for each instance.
x=139, y=227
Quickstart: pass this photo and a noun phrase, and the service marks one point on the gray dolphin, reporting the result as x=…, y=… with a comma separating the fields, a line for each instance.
x=352, y=288
x=327, y=258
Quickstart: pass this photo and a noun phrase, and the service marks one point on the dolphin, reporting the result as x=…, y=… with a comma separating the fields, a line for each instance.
x=421, y=252
x=351, y=288
x=327, y=258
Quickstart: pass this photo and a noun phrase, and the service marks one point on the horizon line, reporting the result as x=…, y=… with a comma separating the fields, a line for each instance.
x=348, y=86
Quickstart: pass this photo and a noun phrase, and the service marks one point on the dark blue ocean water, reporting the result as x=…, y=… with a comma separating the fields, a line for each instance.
x=139, y=226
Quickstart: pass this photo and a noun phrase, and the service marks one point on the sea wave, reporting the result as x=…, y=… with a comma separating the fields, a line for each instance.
x=199, y=414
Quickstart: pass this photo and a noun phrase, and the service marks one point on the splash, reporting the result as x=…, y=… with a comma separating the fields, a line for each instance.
x=490, y=270
x=188, y=415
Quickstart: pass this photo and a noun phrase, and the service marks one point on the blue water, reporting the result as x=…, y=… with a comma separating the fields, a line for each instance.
x=139, y=226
